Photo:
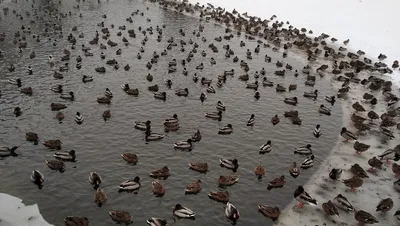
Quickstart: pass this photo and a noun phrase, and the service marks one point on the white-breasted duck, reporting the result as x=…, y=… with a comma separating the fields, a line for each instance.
x=68, y=96
x=65, y=156
x=308, y=162
x=37, y=178
x=317, y=131
x=304, y=198
x=312, y=95
x=347, y=134
x=130, y=185
x=291, y=100
x=324, y=110
x=156, y=222
x=266, y=148
x=304, y=150
x=294, y=171
x=79, y=118
x=251, y=121
x=184, y=145
x=182, y=92
x=343, y=203
x=183, y=212
x=229, y=163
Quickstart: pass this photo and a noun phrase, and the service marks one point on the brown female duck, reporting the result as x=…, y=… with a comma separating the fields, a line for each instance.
x=384, y=205
x=227, y=180
x=360, y=147
x=130, y=157
x=193, y=188
x=120, y=216
x=353, y=183
x=76, y=221
x=199, y=167
x=271, y=212
x=158, y=189
x=106, y=115
x=277, y=182
x=259, y=171
x=53, y=144
x=31, y=136
x=100, y=197
x=330, y=208
x=220, y=196
x=365, y=217
x=357, y=170
x=160, y=173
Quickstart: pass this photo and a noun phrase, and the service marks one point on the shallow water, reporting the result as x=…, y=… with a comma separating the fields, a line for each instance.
x=98, y=144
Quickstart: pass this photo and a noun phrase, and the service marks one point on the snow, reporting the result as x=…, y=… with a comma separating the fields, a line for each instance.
x=14, y=213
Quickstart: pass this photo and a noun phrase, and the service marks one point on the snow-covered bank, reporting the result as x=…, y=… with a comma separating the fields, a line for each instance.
x=14, y=213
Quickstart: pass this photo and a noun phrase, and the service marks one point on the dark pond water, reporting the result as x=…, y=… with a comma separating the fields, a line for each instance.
x=99, y=144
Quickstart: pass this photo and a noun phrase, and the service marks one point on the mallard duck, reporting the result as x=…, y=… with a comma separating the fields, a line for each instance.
x=125, y=87
x=57, y=89
x=184, y=145
x=353, y=183
x=142, y=125
x=149, y=136
x=129, y=157
x=347, y=134
x=210, y=89
x=31, y=136
x=393, y=102
x=106, y=115
x=396, y=169
x=266, y=148
x=183, y=212
x=372, y=115
x=312, y=95
x=120, y=216
x=388, y=155
x=266, y=82
x=200, y=66
x=280, y=88
x=324, y=110
x=276, y=183
x=360, y=147
x=308, y=162
x=53, y=144
x=160, y=95
x=330, y=209
x=193, y=188
x=130, y=185
x=252, y=85
x=153, y=88
x=182, y=92
x=220, y=196
x=291, y=100
x=271, y=212
x=251, y=120
x=76, y=221
x=304, y=198
x=384, y=205
x=57, y=106
x=104, y=100
x=330, y=99
x=157, y=222
x=357, y=170
x=231, y=212
x=375, y=163
x=16, y=82
x=227, y=180
x=37, y=178
x=386, y=133
x=259, y=171
x=317, y=131
x=197, y=136
x=160, y=173
x=149, y=77
x=304, y=150
x=108, y=93
x=364, y=217
x=335, y=174
x=294, y=171
x=95, y=179
x=358, y=107
x=230, y=72
x=79, y=118
x=100, y=197
x=27, y=90
x=56, y=165
x=86, y=78
x=342, y=202
x=158, y=189
x=220, y=106
x=229, y=163
x=198, y=166
x=65, y=156
x=226, y=129
x=17, y=111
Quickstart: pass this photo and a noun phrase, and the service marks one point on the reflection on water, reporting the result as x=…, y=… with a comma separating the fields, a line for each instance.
x=98, y=144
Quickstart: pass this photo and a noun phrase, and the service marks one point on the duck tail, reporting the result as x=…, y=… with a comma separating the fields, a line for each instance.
x=269, y=188
x=36, y=142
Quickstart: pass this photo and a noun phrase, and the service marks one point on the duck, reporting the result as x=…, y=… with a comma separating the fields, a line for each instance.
x=53, y=144
x=312, y=95
x=87, y=78
x=27, y=90
x=304, y=150
x=330, y=99
x=193, y=188
x=72, y=221
x=364, y=217
x=294, y=171
x=304, y=198
x=335, y=174
x=65, y=156
x=396, y=185
x=266, y=148
x=275, y=120
x=30, y=70
x=291, y=100
x=50, y=60
x=200, y=67
x=251, y=121
x=78, y=118
x=156, y=222
x=277, y=183
x=384, y=205
x=183, y=212
x=357, y=170
x=229, y=163
x=220, y=106
x=324, y=110
x=385, y=132
x=227, y=180
x=129, y=157
x=358, y=107
x=343, y=203
x=121, y=216
x=95, y=179
x=360, y=147
x=259, y=171
x=37, y=178
x=149, y=136
x=31, y=136
x=100, y=197
x=214, y=115
x=308, y=162
x=160, y=95
x=130, y=185
x=197, y=136
x=17, y=111
x=158, y=189
x=199, y=167
x=353, y=183
x=389, y=155
x=108, y=93
x=271, y=212
x=57, y=89
x=184, y=145
x=210, y=89
x=252, y=85
x=220, y=196
x=142, y=125
x=68, y=96
x=317, y=131
x=182, y=92
x=330, y=208
x=266, y=82
x=205, y=81
x=160, y=173
x=231, y=212
x=226, y=129
x=375, y=163
x=56, y=165
x=347, y=134
x=16, y=82
x=104, y=100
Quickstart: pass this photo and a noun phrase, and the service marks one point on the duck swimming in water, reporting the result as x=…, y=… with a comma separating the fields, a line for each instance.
x=305, y=150
x=229, y=163
x=324, y=110
x=37, y=178
x=130, y=185
x=266, y=148
x=251, y=121
x=157, y=222
x=95, y=179
x=5, y=151
x=308, y=162
x=68, y=96
x=317, y=131
x=275, y=120
x=108, y=93
x=214, y=115
x=79, y=118
x=231, y=212
x=312, y=95
x=66, y=156
x=184, y=145
x=220, y=106
x=183, y=212
x=291, y=100
x=226, y=130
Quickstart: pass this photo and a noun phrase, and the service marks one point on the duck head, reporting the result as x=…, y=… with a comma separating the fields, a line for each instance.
x=136, y=179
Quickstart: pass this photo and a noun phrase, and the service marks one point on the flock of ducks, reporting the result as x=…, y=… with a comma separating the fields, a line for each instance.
x=345, y=68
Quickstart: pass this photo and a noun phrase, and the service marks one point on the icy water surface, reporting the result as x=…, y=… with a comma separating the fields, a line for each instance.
x=99, y=144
